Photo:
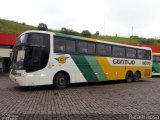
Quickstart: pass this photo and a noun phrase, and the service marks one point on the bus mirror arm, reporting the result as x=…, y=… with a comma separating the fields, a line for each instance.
x=11, y=54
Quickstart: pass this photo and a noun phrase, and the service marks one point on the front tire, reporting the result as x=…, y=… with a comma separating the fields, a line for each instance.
x=60, y=81
x=129, y=77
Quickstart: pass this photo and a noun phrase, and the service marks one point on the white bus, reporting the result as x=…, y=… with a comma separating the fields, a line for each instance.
x=47, y=58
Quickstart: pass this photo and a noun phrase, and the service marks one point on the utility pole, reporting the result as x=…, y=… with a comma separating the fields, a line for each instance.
x=132, y=30
x=104, y=20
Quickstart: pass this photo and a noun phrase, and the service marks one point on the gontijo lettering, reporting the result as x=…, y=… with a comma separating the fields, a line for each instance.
x=126, y=62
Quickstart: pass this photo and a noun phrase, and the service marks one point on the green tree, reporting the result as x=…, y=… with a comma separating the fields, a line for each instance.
x=86, y=33
x=97, y=33
x=42, y=26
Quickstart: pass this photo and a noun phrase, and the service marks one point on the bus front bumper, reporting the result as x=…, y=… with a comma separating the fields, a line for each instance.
x=20, y=80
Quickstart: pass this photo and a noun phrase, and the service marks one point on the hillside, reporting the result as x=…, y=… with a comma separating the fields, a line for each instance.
x=7, y=26
x=119, y=39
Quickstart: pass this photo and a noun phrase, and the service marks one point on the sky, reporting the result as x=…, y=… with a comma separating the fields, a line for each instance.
x=109, y=17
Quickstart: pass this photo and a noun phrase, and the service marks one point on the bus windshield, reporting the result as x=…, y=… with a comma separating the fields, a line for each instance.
x=21, y=40
x=29, y=50
x=18, y=54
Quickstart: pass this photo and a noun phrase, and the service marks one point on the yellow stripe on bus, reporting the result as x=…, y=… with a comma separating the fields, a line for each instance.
x=107, y=68
x=119, y=72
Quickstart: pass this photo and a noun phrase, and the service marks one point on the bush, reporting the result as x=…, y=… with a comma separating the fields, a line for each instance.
x=97, y=33
x=134, y=36
x=86, y=33
x=147, y=41
x=158, y=41
x=23, y=23
x=69, y=31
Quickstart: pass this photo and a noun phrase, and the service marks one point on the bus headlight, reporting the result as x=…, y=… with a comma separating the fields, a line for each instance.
x=43, y=75
x=29, y=75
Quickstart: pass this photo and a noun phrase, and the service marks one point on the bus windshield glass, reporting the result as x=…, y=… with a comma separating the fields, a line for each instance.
x=22, y=39
x=28, y=51
x=18, y=53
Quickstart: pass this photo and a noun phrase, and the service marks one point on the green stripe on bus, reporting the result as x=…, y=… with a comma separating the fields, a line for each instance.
x=96, y=68
x=85, y=68
x=156, y=67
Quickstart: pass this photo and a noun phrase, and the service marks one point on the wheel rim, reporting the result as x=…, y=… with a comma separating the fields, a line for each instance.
x=62, y=81
x=129, y=77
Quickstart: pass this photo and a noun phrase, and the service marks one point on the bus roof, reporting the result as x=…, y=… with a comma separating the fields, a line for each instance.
x=84, y=38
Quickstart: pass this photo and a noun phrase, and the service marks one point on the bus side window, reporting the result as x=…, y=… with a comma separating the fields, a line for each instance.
x=148, y=55
x=59, y=45
x=108, y=49
x=101, y=49
x=154, y=59
x=158, y=59
x=70, y=46
x=131, y=53
x=142, y=54
x=118, y=51
x=82, y=47
x=122, y=52
x=91, y=48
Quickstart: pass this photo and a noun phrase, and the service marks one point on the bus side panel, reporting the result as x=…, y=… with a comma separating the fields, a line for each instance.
x=110, y=71
x=70, y=66
x=118, y=72
x=84, y=67
x=156, y=67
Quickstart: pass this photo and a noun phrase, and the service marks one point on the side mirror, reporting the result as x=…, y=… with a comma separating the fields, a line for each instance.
x=11, y=56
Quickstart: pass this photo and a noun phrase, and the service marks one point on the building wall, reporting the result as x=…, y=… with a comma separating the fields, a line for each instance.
x=8, y=39
x=5, y=52
x=4, y=59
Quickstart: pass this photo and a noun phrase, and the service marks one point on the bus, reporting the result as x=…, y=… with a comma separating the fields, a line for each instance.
x=156, y=64
x=47, y=58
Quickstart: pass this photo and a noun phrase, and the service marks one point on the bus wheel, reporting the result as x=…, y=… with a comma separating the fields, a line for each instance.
x=129, y=77
x=60, y=81
x=136, y=77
